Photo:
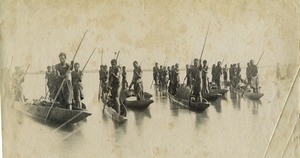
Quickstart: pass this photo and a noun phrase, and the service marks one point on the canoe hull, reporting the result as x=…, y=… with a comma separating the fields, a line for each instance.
x=220, y=91
x=57, y=114
x=195, y=106
x=112, y=113
x=211, y=96
x=138, y=104
x=250, y=95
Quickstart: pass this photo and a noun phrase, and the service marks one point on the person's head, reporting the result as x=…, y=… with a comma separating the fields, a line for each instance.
x=251, y=62
x=187, y=66
x=204, y=62
x=76, y=66
x=135, y=64
x=160, y=66
x=101, y=67
x=238, y=64
x=53, y=67
x=105, y=67
x=195, y=62
x=214, y=65
x=113, y=62
x=156, y=64
x=176, y=65
x=62, y=58
x=123, y=68
x=49, y=68
x=219, y=63
x=168, y=67
x=172, y=67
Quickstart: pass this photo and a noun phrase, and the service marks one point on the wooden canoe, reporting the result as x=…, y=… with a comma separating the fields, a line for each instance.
x=211, y=96
x=195, y=106
x=57, y=114
x=112, y=113
x=220, y=91
x=130, y=93
x=248, y=94
x=135, y=104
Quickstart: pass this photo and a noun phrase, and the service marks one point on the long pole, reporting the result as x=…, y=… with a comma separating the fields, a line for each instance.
x=260, y=57
x=79, y=45
x=53, y=101
x=88, y=60
x=204, y=42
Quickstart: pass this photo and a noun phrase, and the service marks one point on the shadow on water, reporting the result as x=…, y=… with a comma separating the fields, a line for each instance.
x=235, y=98
x=140, y=115
x=217, y=105
x=201, y=118
x=255, y=106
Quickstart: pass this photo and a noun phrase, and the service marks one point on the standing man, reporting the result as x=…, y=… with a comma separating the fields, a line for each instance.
x=225, y=73
x=18, y=79
x=77, y=85
x=218, y=73
x=188, y=75
x=248, y=74
x=196, y=77
x=176, y=80
x=63, y=70
x=137, y=81
x=238, y=71
x=254, y=77
x=213, y=73
x=204, y=77
x=114, y=79
x=124, y=78
x=155, y=73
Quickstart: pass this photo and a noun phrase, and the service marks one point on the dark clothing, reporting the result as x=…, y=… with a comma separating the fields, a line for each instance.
x=124, y=80
x=248, y=74
x=175, y=80
x=114, y=81
x=218, y=73
x=65, y=96
x=196, y=82
x=231, y=73
x=225, y=73
x=156, y=74
x=137, y=83
x=77, y=87
x=188, y=77
x=254, y=70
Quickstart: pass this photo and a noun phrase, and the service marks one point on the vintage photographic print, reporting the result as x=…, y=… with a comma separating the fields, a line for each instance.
x=150, y=78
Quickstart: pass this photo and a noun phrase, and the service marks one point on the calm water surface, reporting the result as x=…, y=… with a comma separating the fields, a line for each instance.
x=232, y=126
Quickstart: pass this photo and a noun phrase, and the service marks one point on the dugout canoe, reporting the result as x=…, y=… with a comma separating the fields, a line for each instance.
x=211, y=96
x=130, y=93
x=112, y=113
x=183, y=97
x=195, y=106
x=220, y=91
x=39, y=109
x=135, y=104
x=249, y=94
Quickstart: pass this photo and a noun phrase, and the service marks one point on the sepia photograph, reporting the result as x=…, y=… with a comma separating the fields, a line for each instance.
x=150, y=78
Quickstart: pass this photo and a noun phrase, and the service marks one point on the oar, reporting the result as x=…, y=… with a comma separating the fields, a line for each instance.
x=260, y=57
x=64, y=78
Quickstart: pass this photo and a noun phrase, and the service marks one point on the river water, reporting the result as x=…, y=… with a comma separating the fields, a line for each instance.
x=232, y=126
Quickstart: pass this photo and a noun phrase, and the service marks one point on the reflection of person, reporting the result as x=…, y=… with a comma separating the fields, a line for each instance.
x=18, y=79
x=278, y=75
x=65, y=96
x=137, y=81
x=77, y=85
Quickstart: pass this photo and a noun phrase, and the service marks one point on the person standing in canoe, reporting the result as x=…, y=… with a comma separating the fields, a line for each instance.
x=218, y=73
x=48, y=78
x=238, y=72
x=248, y=74
x=155, y=73
x=213, y=73
x=63, y=70
x=54, y=80
x=231, y=73
x=137, y=81
x=124, y=78
x=77, y=85
x=176, y=80
x=196, y=81
x=254, y=76
x=18, y=79
x=204, y=77
x=160, y=72
x=187, y=75
x=114, y=79
x=225, y=73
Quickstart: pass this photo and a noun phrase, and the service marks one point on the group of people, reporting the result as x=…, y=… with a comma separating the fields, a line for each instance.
x=64, y=82
x=110, y=81
x=197, y=76
x=163, y=75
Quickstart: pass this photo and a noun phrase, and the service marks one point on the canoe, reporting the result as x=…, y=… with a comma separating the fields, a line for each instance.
x=130, y=93
x=248, y=94
x=220, y=91
x=211, y=96
x=195, y=106
x=135, y=104
x=39, y=109
x=227, y=83
x=112, y=113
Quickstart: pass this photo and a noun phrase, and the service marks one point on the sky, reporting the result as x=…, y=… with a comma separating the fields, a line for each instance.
x=35, y=32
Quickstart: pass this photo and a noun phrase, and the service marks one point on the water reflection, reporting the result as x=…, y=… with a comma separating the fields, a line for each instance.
x=201, y=118
x=217, y=105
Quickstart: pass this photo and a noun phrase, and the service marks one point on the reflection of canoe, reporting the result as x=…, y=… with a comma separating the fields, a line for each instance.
x=135, y=104
x=112, y=113
x=40, y=110
x=249, y=94
x=196, y=106
x=211, y=96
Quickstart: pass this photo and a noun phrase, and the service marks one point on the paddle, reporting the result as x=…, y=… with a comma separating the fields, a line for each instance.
x=99, y=92
x=53, y=101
